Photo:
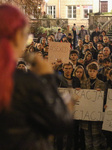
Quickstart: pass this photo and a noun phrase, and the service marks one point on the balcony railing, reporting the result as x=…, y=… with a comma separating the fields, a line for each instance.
x=107, y=26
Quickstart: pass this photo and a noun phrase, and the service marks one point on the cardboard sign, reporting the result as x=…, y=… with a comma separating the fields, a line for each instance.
x=59, y=50
x=107, y=123
x=89, y=105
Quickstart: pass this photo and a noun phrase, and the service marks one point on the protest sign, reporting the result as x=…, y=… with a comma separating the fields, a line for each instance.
x=59, y=50
x=89, y=106
x=107, y=123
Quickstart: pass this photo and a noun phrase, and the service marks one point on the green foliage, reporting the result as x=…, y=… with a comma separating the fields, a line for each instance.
x=47, y=25
x=107, y=13
x=38, y=30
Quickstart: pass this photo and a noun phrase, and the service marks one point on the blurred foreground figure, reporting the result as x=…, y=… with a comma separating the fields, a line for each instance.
x=30, y=106
x=22, y=66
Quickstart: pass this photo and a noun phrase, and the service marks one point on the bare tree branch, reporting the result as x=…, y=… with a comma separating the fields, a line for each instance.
x=31, y=7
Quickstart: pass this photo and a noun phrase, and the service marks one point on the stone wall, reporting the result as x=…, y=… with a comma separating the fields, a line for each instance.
x=47, y=23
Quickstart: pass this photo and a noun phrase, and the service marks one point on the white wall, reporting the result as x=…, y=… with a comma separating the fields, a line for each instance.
x=95, y=6
x=109, y=5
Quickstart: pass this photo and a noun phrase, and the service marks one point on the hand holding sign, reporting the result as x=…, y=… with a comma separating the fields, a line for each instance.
x=107, y=123
x=89, y=105
x=59, y=50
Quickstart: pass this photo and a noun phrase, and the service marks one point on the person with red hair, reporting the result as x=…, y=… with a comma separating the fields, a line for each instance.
x=31, y=108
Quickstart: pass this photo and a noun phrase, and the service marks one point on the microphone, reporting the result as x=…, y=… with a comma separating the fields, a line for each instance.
x=30, y=59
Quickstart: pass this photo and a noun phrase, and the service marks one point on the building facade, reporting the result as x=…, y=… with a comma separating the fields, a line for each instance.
x=104, y=6
x=75, y=10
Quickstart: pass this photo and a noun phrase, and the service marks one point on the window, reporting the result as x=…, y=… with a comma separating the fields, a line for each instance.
x=51, y=10
x=90, y=11
x=87, y=10
x=85, y=13
x=71, y=10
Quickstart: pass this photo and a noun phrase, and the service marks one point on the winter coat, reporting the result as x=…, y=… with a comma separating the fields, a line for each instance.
x=37, y=111
x=63, y=83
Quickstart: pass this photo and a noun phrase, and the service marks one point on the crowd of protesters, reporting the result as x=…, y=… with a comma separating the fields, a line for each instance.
x=90, y=67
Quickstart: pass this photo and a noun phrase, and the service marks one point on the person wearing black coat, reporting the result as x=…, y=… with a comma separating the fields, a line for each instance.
x=108, y=134
x=82, y=32
x=34, y=113
x=80, y=48
x=93, y=50
x=64, y=84
x=96, y=32
x=74, y=36
x=74, y=54
x=31, y=108
x=68, y=81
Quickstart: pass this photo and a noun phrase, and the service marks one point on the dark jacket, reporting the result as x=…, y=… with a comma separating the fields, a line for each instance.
x=82, y=34
x=84, y=42
x=87, y=63
x=99, y=84
x=81, y=55
x=75, y=82
x=94, y=34
x=108, y=85
x=101, y=75
x=95, y=45
x=37, y=111
x=106, y=45
x=94, y=53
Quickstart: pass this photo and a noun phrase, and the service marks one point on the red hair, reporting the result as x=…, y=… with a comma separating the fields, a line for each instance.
x=11, y=20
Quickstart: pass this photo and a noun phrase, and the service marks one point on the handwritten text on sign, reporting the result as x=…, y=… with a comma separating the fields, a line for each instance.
x=107, y=123
x=59, y=50
x=89, y=106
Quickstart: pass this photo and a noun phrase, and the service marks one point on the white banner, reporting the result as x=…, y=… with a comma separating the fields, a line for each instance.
x=89, y=105
x=107, y=123
x=58, y=50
